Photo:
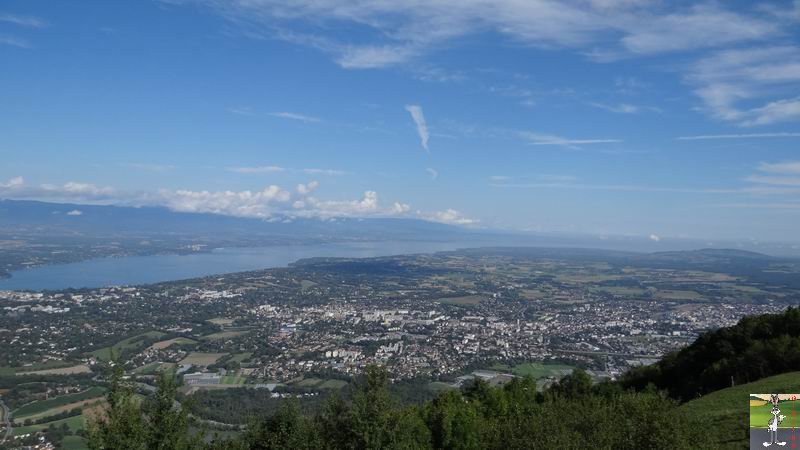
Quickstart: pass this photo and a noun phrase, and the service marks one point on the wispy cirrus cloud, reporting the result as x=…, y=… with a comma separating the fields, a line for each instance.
x=280, y=169
x=23, y=20
x=434, y=174
x=295, y=116
x=422, y=127
x=257, y=169
x=535, y=138
x=404, y=31
x=749, y=86
x=14, y=41
x=704, y=137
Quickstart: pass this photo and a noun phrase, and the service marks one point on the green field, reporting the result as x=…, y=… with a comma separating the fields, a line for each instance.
x=41, y=406
x=319, y=383
x=74, y=443
x=232, y=379
x=74, y=423
x=132, y=343
x=240, y=357
x=53, y=364
x=726, y=411
x=438, y=386
x=535, y=370
x=223, y=335
x=154, y=367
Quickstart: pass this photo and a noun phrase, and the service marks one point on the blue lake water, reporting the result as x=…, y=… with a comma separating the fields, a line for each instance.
x=131, y=270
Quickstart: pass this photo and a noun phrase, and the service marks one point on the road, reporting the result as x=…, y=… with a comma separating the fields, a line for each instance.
x=6, y=413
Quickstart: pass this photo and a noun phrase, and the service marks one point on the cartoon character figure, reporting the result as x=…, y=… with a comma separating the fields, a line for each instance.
x=773, y=423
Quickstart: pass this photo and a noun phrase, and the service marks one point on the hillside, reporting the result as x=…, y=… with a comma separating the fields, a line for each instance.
x=726, y=411
x=755, y=348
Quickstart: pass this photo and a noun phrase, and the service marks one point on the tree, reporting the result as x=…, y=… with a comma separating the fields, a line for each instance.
x=120, y=425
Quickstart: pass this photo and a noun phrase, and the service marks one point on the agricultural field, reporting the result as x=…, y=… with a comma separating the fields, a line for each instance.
x=154, y=367
x=221, y=321
x=74, y=423
x=240, y=357
x=202, y=359
x=535, y=370
x=223, y=335
x=170, y=342
x=132, y=343
x=51, y=364
x=55, y=405
x=233, y=379
x=71, y=370
x=318, y=383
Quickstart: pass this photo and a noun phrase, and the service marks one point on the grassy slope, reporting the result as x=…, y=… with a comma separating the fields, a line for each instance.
x=727, y=411
x=133, y=342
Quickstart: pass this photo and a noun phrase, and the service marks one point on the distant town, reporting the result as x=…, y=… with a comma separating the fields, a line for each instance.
x=436, y=321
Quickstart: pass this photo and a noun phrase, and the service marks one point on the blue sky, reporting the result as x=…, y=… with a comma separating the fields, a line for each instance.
x=630, y=117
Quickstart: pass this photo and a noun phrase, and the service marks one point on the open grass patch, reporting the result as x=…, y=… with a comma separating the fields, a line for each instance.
x=74, y=423
x=223, y=335
x=467, y=300
x=131, y=343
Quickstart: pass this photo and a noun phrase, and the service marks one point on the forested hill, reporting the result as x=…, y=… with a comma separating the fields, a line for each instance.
x=755, y=348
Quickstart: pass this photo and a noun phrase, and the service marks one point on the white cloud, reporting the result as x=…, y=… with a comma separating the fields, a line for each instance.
x=24, y=21
x=240, y=204
x=737, y=136
x=419, y=120
x=401, y=32
x=257, y=169
x=777, y=174
x=655, y=238
x=13, y=183
x=622, y=108
x=75, y=212
x=16, y=188
x=749, y=86
x=449, y=216
x=14, y=41
x=499, y=178
x=329, y=172
x=788, y=167
x=305, y=189
x=400, y=208
x=150, y=167
x=432, y=172
x=295, y=116
x=548, y=139
x=241, y=110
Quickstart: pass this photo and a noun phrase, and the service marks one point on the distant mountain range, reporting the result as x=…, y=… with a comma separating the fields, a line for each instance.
x=29, y=219
x=70, y=219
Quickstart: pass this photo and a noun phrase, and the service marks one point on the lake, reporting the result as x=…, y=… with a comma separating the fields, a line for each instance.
x=131, y=270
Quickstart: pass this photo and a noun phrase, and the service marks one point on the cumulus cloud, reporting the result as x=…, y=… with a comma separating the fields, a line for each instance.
x=419, y=120
x=271, y=203
x=305, y=189
x=655, y=238
x=449, y=216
